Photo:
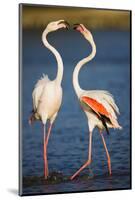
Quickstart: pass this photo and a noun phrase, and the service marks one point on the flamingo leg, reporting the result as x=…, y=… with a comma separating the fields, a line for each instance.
x=45, y=153
x=48, y=134
x=88, y=161
x=46, y=144
x=107, y=154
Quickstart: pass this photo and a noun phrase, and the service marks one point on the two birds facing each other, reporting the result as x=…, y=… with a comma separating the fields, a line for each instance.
x=98, y=105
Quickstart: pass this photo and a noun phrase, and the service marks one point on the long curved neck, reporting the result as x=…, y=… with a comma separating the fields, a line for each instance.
x=57, y=56
x=80, y=64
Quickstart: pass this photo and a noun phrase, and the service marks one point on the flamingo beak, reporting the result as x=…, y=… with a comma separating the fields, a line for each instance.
x=66, y=24
x=75, y=26
x=78, y=27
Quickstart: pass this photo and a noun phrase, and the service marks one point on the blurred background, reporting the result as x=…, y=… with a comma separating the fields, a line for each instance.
x=40, y=16
x=109, y=70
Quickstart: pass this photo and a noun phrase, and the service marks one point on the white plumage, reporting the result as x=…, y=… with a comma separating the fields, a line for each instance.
x=47, y=98
x=38, y=90
x=47, y=94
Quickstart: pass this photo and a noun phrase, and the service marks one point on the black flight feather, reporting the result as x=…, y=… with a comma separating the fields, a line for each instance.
x=104, y=124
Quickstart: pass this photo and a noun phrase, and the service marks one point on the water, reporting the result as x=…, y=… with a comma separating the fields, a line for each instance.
x=68, y=144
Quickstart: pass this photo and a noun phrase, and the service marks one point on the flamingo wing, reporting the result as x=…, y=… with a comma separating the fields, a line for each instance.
x=106, y=99
x=38, y=89
x=97, y=108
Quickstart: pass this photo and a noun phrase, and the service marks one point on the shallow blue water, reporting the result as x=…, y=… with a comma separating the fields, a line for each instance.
x=68, y=144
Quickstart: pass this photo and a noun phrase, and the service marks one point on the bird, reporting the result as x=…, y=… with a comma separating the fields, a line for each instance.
x=47, y=94
x=98, y=105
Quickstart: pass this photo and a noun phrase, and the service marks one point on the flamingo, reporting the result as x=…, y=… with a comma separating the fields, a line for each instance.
x=98, y=105
x=47, y=94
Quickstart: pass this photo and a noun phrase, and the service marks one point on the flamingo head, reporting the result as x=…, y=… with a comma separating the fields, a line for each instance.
x=84, y=31
x=54, y=26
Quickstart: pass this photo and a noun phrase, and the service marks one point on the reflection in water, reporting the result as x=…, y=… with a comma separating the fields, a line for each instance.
x=67, y=149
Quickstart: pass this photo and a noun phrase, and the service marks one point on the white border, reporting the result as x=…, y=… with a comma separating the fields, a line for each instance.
x=9, y=97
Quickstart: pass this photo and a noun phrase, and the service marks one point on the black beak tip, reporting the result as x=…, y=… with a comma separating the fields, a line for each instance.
x=75, y=26
x=67, y=25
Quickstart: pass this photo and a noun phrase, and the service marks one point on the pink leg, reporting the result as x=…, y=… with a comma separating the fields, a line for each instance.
x=45, y=162
x=87, y=162
x=107, y=153
x=46, y=144
x=45, y=154
x=48, y=134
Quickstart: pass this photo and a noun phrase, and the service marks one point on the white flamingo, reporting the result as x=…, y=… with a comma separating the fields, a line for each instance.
x=47, y=94
x=98, y=105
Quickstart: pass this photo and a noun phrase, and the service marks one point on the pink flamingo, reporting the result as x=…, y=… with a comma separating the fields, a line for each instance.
x=98, y=105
